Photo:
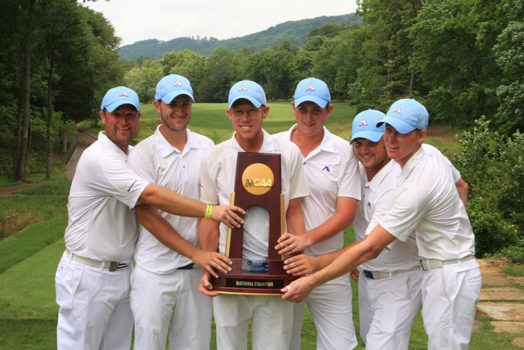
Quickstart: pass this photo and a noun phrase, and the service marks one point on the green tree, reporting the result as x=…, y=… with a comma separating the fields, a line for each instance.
x=143, y=78
x=24, y=104
x=11, y=32
x=60, y=56
x=222, y=69
x=451, y=61
x=273, y=69
x=337, y=62
x=329, y=30
x=88, y=78
x=187, y=63
x=303, y=62
x=509, y=56
x=386, y=73
x=183, y=62
x=61, y=30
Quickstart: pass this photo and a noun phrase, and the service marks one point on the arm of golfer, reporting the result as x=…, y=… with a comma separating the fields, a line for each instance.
x=359, y=253
x=462, y=189
x=208, y=237
x=302, y=264
x=295, y=217
x=174, y=203
x=340, y=220
x=165, y=233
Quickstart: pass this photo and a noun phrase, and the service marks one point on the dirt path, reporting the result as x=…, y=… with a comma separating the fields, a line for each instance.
x=84, y=140
x=10, y=190
x=501, y=299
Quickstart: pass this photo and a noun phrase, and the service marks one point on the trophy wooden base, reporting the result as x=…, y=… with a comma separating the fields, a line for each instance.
x=253, y=283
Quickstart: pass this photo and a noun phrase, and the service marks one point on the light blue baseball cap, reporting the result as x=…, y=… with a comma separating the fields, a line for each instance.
x=365, y=125
x=406, y=115
x=248, y=90
x=118, y=96
x=312, y=90
x=171, y=86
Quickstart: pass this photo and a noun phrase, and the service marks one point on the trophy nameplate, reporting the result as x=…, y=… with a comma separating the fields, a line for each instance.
x=258, y=182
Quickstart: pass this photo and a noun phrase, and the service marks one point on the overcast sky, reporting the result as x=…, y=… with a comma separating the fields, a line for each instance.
x=136, y=20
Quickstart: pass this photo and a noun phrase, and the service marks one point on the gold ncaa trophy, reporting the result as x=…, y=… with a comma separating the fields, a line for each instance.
x=258, y=181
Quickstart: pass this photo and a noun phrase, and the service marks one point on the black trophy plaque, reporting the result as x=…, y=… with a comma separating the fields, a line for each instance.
x=258, y=181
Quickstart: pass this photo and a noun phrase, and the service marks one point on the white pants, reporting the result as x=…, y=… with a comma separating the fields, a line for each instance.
x=331, y=309
x=94, y=310
x=271, y=317
x=449, y=295
x=387, y=308
x=170, y=304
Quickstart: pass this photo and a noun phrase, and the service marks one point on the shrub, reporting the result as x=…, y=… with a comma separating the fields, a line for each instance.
x=493, y=165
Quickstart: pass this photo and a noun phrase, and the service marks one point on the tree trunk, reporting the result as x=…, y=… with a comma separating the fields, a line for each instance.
x=411, y=82
x=49, y=151
x=25, y=91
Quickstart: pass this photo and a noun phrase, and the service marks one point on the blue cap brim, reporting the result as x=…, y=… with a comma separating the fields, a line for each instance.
x=170, y=96
x=253, y=101
x=399, y=125
x=113, y=106
x=373, y=136
x=317, y=100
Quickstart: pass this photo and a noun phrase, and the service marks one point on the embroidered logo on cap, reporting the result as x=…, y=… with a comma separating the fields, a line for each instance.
x=178, y=83
x=397, y=110
x=123, y=94
x=363, y=123
x=242, y=89
x=310, y=88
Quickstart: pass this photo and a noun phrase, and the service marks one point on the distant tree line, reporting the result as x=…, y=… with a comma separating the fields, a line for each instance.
x=294, y=32
x=463, y=59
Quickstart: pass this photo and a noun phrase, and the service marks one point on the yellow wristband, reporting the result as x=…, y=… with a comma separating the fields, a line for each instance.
x=209, y=209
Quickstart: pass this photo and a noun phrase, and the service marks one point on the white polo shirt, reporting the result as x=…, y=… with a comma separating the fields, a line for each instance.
x=101, y=224
x=377, y=199
x=331, y=171
x=427, y=202
x=156, y=160
x=217, y=178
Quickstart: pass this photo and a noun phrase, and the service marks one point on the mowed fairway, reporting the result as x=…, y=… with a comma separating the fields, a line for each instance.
x=210, y=119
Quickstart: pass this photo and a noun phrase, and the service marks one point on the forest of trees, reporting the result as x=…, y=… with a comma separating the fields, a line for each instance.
x=464, y=59
x=57, y=62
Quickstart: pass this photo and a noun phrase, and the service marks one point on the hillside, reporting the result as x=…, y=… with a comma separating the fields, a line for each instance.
x=294, y=32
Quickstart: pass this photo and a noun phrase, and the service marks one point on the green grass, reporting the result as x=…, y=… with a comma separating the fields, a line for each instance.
x=42, y=202
x=515, y=270
x=28, y=311
x=30, y=241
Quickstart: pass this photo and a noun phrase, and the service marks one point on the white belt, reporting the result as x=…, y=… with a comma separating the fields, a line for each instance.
x=377, y=275
x=106, y=265
x=429, y=264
